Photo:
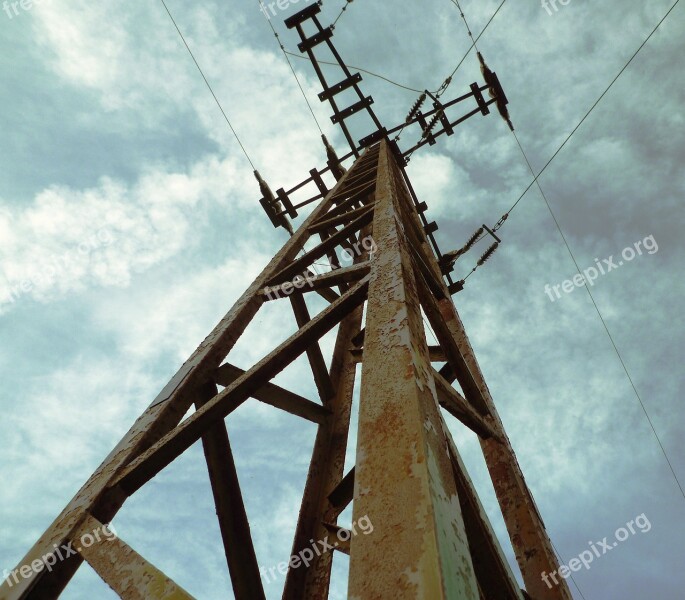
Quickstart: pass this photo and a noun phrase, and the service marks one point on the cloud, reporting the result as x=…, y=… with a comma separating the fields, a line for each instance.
x=103, y=335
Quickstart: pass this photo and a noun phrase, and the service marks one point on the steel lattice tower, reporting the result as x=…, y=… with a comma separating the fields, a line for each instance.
x=432, y=539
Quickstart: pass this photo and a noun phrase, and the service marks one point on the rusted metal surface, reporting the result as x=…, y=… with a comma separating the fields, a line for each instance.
x=454, y=356
x=343, y=493
x=532, y=546
x=360, y=196
x=431, y=538
x=455, y=404
x=436, y=353
x=230, y=509
x=172, y=445
x=403, y=477
x=316, y=361
x=342, y=537
x=44, y=584
x=127, y=572
x=276, y=396
x=326, y=468
x=337, y=220
x=315, y=283
x=298, y=266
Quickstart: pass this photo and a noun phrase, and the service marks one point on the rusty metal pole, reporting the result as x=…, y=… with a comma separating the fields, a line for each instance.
x=325, y=472
x=403, y=484
x=532, y=546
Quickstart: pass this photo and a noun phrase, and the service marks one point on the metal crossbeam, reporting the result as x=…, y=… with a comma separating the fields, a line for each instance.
x=280, y=207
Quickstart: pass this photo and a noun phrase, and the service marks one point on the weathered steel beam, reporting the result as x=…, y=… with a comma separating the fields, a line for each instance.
x=353, y=194
x=338, y=220
x=455, y=404
x=333, y=259
x=230, y=509
x=437, y=354
x=325, y=470
x=341, y=543
x=532, y=546
x=124, y=570
x=404, y=482
x=276, y=396
x=172, y=445
x=357, y=200
x=325, y=280
x=300, y=265
x=361, y=177
x=454, y=357
x=343, y=493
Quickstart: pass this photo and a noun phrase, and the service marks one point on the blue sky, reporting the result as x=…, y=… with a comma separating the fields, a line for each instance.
x=129, y=224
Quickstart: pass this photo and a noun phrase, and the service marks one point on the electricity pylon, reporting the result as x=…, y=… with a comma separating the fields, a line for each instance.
x=432, y=538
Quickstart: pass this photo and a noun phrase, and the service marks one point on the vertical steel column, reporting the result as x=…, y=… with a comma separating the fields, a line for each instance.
x=328, y=457
x=325, y=472
x=230, y=508
x=404, y=482
x=532, y=546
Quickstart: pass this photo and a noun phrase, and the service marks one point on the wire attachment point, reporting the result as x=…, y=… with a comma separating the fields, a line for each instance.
x=495, y=90
x=333, y=161
x=272, y=206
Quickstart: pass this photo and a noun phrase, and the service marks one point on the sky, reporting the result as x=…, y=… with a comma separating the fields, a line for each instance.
x=130, y=223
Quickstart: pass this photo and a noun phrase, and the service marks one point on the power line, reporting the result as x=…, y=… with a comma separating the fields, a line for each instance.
x=344, y=8
x=448, y=80
x=285, y=54
x=604, y=324
x=393, y=82
x=208, y=86
x=563, y=562
x=568, y=247
x=463, y=16
x=587, y=114
x=324, y=62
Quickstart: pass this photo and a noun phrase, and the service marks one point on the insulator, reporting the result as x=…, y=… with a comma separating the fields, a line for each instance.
x=333, y=161
x=472, y=240
x=451, y=257
x=488, y=253
x=264, y=188
x=415, y=108
x=484, y=69
x=444, y=86
x=272, y=206
x=434, y=121
x=489, y=77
